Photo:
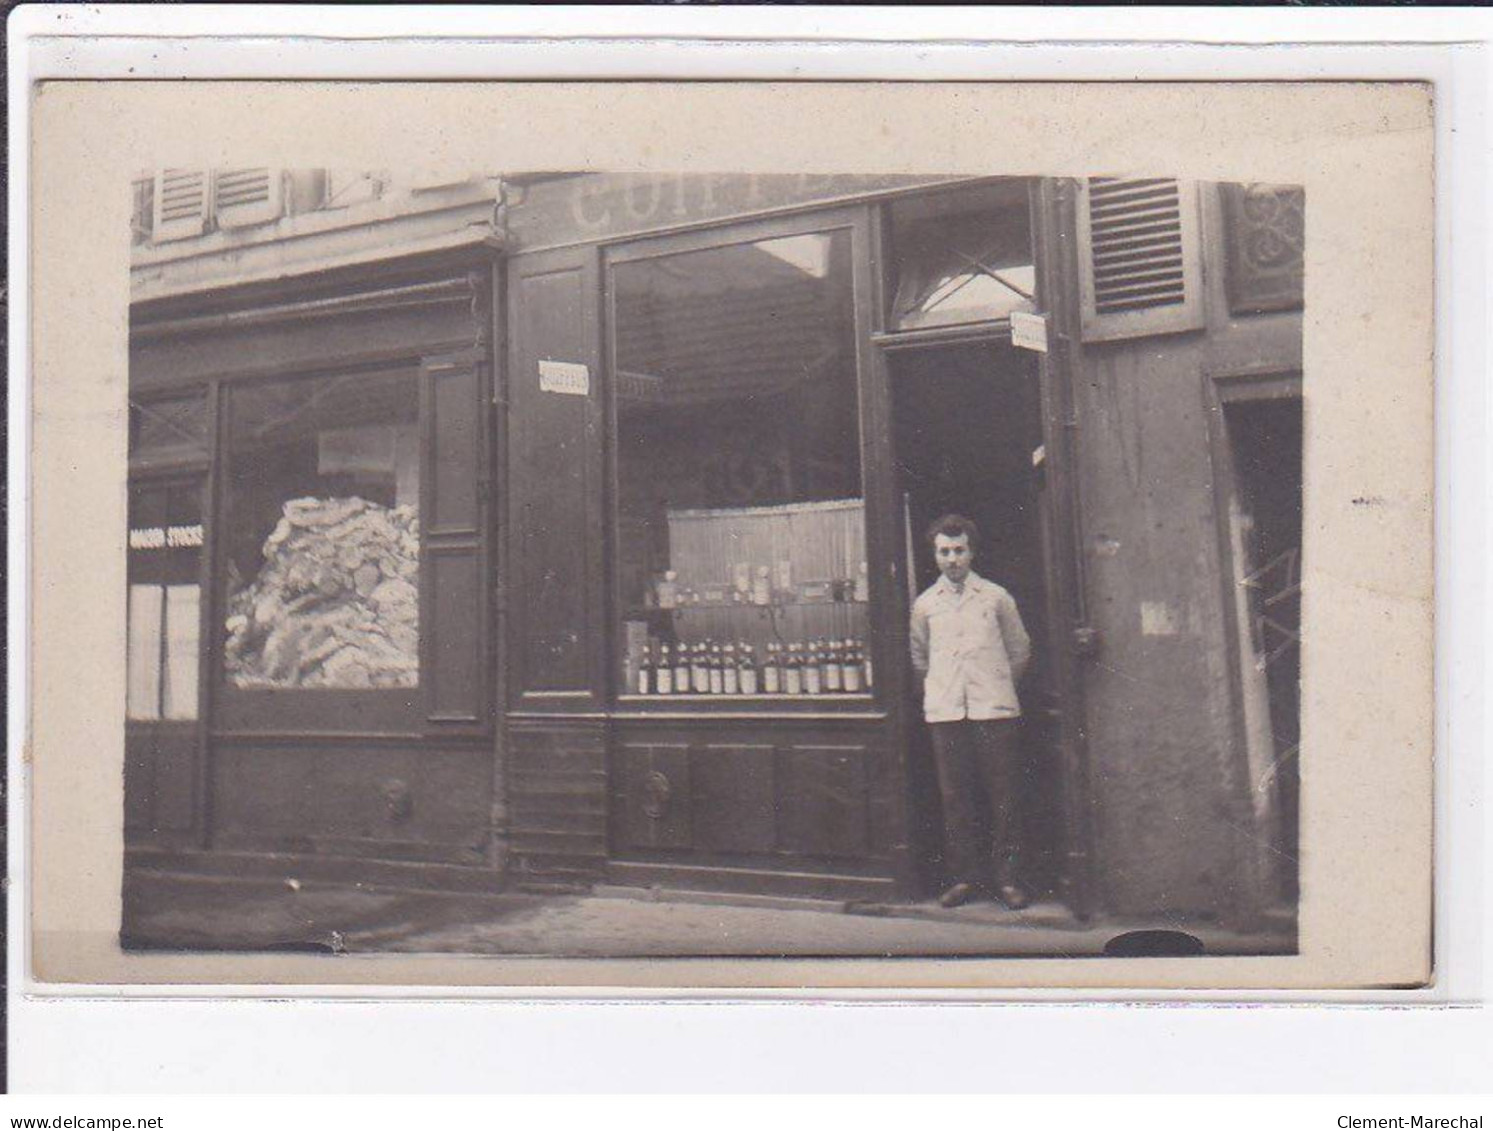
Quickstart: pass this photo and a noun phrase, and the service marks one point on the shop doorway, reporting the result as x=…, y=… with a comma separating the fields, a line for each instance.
x=1265, y=450
x=967, y=434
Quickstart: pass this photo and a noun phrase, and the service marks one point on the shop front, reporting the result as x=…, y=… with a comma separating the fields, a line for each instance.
x=753, y=417
x=583, y=552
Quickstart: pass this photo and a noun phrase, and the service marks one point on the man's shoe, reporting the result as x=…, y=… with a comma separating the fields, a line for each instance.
x=955, y=895
x=1012, y=896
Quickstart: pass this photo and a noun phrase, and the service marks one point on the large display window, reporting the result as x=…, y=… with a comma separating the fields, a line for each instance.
x=321, y=541
x=741, y=542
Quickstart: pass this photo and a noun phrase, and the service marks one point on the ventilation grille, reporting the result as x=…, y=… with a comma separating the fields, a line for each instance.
x=183, y=193
x=1136, y=233
x=237, y=187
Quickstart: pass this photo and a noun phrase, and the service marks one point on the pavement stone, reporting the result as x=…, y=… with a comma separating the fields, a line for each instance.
x=197, y=913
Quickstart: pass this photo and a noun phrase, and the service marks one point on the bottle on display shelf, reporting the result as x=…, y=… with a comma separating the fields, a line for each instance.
x=717, y=671
x=645, y=672
x=862, y=584
x=730, y=673
x=850, y=665
x=663, y=673
x=813, y=671
x=866, y=673
x=772, y=670
x=699, y=669
x=681, y=669
x=793, y=671
x=748, y=677
x=834, y=672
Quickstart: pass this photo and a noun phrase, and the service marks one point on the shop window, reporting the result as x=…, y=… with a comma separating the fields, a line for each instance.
x=741, y=544
x=962, y=258
x=164, y=607
x=168, y=430
x=322, y=538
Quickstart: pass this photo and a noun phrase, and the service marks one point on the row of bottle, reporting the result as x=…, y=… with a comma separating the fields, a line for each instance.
x=821, y=667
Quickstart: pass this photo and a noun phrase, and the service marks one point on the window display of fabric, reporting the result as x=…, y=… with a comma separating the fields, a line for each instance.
x=336, y=602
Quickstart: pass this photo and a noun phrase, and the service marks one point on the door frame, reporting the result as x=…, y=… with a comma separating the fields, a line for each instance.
x=1070, y=639
x=1220, y=391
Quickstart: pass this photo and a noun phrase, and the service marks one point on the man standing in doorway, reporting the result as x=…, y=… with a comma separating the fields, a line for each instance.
x=970, y=649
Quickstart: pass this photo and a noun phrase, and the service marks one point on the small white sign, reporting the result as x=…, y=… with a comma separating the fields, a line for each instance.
x=168, y=537
x=564, y=377
x=1029, y=331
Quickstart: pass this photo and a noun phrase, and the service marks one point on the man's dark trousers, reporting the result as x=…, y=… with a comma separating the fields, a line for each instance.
x=978, y=757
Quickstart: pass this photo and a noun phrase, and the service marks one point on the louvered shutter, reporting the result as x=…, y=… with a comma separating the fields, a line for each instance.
x=247, y=196
x=1139, y=257
x=180, y=205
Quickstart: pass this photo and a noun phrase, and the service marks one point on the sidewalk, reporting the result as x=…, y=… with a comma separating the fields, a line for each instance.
x=177, y=912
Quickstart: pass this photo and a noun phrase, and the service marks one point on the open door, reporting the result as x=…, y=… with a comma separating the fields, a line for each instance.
x=968, y=436
x=980, y=427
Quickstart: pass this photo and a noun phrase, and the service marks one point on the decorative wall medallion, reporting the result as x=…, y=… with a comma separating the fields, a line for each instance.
x=656, y=791
x=1265, y=234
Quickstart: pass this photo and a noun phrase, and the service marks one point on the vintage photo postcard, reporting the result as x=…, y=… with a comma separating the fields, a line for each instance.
x=570, y=535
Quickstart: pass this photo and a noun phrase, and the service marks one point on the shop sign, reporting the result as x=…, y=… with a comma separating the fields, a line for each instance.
x=564, y=377
x=166, y=537
x=607, y=205
x=1029, y=331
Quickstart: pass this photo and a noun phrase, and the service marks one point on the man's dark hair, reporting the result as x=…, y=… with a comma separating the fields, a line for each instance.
x=952, y=526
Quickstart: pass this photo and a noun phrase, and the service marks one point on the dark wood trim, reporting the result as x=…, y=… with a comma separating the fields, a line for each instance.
x=467, y=540
x=1055, y=245
x=210, y=651
x=249, y=867
x=148, y=470
x=1265, y=384
x=623, y=715
x=886, y=549
x=661, y=244
x=962, y=334
x=413, y=295
x=403, y=356
x=546, y=720
x=778, y=214
x=589, y=579
x=414, y=267
x=495, y=564
x=349, y=739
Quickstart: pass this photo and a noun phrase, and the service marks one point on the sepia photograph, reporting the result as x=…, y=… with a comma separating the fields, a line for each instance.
x=978, y=542
x=605, y=550
x=649, y=564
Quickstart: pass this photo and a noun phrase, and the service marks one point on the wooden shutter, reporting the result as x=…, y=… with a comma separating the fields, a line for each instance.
x=555, y=475
x=453, y=571
x=180, y=204
x=1139, y=262
x=247, y=196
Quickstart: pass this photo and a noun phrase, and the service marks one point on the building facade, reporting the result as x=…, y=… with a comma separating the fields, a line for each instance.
x=539, y=531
